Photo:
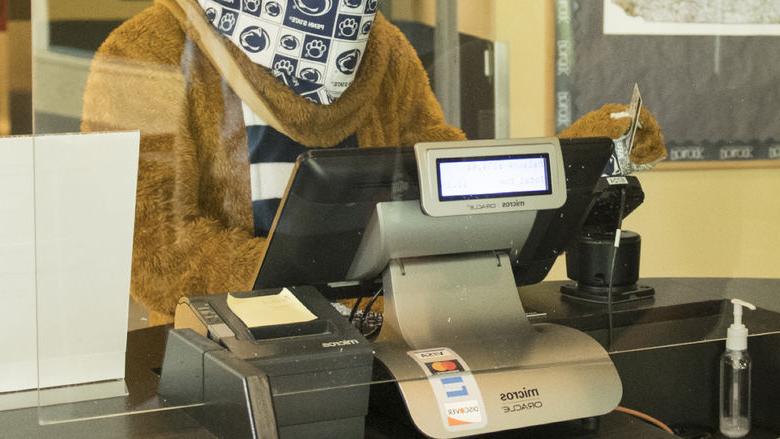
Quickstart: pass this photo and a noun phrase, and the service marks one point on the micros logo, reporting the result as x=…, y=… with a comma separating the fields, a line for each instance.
x=514, y=203
x=333, y=344
x=521, y=400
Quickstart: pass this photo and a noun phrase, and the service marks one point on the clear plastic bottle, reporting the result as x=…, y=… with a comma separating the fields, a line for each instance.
x=735, y=393
x=735, y=377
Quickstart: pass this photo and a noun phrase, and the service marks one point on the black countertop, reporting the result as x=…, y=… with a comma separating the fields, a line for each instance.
x=674, y=316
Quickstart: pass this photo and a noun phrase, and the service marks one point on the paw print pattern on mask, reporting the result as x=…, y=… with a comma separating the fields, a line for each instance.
x=228, y=22
x=309, y=45
x=315, y=49
x=284, y=66
x=348, y=27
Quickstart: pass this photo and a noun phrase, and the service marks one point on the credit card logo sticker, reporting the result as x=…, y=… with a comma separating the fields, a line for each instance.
x=444, y=366
x=433, y=353
x=454, y=387
x=463, y=413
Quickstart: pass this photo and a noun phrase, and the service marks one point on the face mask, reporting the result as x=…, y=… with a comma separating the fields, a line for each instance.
x=313, y=46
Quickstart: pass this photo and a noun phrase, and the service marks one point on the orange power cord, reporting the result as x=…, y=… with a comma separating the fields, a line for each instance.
x=645, y=417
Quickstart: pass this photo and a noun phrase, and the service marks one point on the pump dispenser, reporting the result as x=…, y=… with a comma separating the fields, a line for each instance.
x=735, y=369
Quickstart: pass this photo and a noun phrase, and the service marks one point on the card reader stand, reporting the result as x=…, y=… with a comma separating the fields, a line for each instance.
x=455, y=336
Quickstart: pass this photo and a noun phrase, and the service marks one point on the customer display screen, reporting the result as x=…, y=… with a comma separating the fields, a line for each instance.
x=464, y=178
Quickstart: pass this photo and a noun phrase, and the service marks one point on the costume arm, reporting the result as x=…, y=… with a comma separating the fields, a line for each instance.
x=136, y=83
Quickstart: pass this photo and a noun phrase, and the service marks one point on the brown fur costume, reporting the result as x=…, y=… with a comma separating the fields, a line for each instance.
x=193, y=232
x=649, y=145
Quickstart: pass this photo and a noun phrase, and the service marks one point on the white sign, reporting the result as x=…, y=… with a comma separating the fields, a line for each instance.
x=67, y=207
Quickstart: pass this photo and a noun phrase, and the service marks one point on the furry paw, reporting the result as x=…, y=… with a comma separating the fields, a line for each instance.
x=649, y=145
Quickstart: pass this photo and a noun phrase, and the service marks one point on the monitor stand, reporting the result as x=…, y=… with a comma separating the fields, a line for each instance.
x=466, y=359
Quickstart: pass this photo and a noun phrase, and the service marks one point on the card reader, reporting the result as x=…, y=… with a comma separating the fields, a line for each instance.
x=302, y=379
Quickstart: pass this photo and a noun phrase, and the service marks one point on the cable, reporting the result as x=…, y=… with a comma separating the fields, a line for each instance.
x=618, y=233
x=355, y=307
x=367, y=310
x=644, y=417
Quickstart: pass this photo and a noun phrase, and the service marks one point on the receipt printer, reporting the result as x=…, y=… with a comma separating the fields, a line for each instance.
x=270, y=363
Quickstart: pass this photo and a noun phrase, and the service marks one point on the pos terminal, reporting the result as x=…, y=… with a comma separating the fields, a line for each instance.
x=449, y=230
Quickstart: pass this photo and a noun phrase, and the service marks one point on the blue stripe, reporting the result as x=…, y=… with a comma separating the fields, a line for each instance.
x=266, y=145
x=264, y=212
x=451, y=380
x=457, y=393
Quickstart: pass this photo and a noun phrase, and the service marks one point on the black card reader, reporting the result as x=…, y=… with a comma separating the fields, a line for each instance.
x=305, y=379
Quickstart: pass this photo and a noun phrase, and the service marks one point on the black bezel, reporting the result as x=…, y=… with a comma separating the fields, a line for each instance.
x=544, y=156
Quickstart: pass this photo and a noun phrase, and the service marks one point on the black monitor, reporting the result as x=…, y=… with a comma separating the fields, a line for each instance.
x=333, y=193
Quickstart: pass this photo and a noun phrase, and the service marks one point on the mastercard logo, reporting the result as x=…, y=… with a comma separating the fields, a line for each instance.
x=444, y=366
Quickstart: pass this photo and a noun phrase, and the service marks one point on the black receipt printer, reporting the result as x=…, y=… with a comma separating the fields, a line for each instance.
x=304, y=379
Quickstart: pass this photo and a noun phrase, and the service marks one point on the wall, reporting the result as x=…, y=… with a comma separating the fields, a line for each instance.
x=710, y=223
x=475, y=17
x=693, y=222
x=526, y=26
x=92, y=10
x=17, y=63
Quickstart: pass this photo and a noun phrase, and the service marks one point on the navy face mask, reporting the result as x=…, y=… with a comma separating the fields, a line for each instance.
x=313, y=46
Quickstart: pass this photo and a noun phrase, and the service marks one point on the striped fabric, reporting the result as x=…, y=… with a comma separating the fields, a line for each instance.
x=271, y=159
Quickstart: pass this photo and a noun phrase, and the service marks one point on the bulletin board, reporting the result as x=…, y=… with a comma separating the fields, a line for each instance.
x=709, y=73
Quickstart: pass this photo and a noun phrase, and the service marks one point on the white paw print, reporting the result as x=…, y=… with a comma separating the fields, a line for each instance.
x=315, y=49
x=227, y=22
x=372, y=4
x=284, y=66
x=348, y=27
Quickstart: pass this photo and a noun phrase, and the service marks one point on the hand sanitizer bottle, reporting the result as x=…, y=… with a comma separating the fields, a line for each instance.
x=735, y=377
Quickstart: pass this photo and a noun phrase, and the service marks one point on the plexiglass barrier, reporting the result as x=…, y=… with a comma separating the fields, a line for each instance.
x=153, y=173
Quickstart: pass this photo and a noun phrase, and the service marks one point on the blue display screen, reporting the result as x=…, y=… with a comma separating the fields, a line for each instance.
x=464, y=178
